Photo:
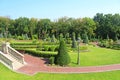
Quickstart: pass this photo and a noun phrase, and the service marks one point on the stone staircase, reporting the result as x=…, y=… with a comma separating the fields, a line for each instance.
x=11, y=58
x=16, y=64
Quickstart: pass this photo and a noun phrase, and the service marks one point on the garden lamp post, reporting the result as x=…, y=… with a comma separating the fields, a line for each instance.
x=78, y=57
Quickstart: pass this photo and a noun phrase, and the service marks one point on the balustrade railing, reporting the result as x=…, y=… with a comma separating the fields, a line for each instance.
x=5, y=60
x=15, y=54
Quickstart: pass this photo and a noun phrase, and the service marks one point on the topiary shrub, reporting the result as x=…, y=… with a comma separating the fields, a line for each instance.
x=62, y=58
x=51, y=60
x=85, y=39
x=74, y=44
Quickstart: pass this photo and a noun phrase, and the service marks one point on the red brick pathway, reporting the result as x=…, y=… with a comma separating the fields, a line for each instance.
x=35, y=64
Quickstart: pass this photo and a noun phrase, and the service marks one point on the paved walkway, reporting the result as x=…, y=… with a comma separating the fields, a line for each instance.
x=35, y=64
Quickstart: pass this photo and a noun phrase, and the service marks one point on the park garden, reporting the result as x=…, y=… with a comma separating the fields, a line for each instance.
x=65, y=42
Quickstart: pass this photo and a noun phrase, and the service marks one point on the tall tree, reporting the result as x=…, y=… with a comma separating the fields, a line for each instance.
x=22, y=26
x=32, y=26
x=42, y=27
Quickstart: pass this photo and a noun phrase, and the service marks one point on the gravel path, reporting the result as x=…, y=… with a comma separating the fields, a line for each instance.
x=35, y=65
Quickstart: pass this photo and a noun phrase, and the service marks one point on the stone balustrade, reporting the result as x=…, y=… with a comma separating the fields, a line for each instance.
x=15, y=54
x=10, y=57
x=6, y=60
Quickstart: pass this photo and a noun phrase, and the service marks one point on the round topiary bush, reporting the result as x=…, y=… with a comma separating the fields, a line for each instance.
x=62, y=58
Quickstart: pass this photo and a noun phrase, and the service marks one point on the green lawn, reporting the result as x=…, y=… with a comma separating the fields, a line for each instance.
x=6, y=74
x=96, y=56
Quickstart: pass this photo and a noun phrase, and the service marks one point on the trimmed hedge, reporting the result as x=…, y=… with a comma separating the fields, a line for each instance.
x=24, y=46
x=50, y=43
x=23, y=43
x=41, y=53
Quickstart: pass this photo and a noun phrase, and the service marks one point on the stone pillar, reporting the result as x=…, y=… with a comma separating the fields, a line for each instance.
x=5, y=47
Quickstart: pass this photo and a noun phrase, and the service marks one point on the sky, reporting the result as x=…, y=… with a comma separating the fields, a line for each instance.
x=54, y=9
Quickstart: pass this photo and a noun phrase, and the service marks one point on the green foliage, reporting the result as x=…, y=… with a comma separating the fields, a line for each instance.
x=62, y=57
x=34, y=37
x=19, y=37
x=57, y=48
x=99, y=26
x=83, y=48
x=61, y=36
x=51, y=60
x=107, y=24
x=115, y=46
x=25, y=37
x=85, y=38
x=39, y=46
x=74, y=45
x=69, y=41
x=53, y=39
x=116, y=38
x=52, y=48
x=34, y=41
x=46, y=48
x=106, y=43
x=41, y=53
x=107, y=37
x=1, y=35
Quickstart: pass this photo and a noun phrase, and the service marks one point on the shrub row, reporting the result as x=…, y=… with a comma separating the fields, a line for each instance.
x=50, y=48
x=50, y=43
x=106, y=43
x=24, y=46
x=23, y=43
x=41, y=53
x=116, y=46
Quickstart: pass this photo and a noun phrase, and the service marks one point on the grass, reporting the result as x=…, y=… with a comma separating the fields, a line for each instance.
x=96, y=56
x=6, y=74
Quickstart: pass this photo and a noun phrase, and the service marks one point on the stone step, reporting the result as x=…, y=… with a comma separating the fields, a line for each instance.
x=16, y=64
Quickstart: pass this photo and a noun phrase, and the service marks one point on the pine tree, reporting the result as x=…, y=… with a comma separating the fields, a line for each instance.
x=62, y=57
